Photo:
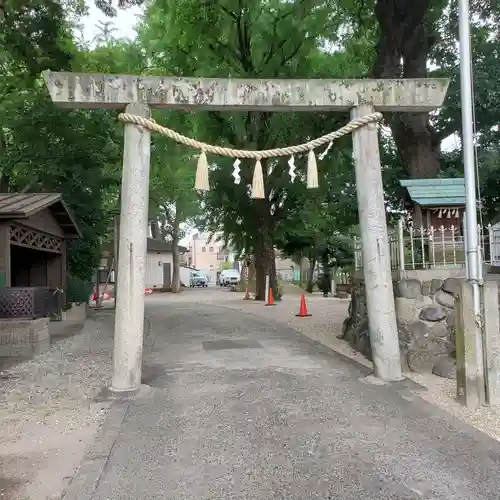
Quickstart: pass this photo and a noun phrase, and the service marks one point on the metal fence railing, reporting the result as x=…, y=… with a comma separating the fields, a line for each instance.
x=436, y=247
x=342, y=277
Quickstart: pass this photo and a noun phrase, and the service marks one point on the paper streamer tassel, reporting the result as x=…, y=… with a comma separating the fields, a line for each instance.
x=312, y=171
x=201, y=183
x=258, y=182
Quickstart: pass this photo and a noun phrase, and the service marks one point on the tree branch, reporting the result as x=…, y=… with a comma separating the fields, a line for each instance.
x=273, y=48
x=229, y=13
x=224, y=47
x=219, y=118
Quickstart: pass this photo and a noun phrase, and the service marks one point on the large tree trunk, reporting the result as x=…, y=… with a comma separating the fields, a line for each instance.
x=265, y=263
x=310, y=278
x=402, y=52
x=264, y=243
x=176, y=258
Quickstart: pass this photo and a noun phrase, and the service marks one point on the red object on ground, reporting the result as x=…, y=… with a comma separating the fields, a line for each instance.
x=148, y=291
x=270, y=299
x=303, y=313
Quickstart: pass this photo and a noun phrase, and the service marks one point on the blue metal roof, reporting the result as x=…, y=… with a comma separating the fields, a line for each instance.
x=436, y=192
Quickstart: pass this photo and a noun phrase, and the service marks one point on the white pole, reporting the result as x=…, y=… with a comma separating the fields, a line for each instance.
x=468, y=143
x=467, y=275
x=129, y=314
x=401, y=247
x=267, y=288
x=469, y=170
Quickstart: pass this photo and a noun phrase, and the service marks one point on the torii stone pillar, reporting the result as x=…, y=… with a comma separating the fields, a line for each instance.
x=360, y=96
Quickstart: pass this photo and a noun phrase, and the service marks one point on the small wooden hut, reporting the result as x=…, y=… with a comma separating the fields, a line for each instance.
x=34, y=230
x=435, y=202
x=437, y=207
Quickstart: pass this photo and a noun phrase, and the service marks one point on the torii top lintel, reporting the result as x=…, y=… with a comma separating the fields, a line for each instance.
x=82, y=90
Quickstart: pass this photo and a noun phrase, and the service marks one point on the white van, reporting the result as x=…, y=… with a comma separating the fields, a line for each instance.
x=229, y=277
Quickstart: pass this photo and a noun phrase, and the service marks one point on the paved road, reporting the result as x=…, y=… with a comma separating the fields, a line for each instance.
x=242, y=409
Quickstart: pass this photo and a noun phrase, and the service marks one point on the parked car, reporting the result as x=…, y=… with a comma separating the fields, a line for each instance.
x=197, y=279
x=229, y=277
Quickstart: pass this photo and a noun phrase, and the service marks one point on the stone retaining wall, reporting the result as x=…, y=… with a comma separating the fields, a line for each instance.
x=426, y=324
x=23, y=338
x=77, y=312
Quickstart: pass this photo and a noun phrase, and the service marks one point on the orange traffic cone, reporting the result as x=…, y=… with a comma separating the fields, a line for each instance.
x=270, y=299
x=303, y=307
x=247, y=295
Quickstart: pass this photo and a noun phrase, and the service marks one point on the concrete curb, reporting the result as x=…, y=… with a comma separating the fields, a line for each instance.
x=84, y=483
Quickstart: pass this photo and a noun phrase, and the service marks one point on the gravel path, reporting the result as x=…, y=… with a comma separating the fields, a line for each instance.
x=47, y=415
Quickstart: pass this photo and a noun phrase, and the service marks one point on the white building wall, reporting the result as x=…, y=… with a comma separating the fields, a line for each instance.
x=154, y=268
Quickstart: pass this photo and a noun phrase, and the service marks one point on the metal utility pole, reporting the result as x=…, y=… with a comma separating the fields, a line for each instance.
x=468, y=143
x=471, y=234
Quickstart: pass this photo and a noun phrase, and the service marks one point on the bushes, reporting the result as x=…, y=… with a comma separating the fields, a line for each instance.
x=78, y=290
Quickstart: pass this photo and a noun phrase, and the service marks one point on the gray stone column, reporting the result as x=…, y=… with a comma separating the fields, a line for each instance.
x=129, y=315
x=491, y=345
x=375, y=250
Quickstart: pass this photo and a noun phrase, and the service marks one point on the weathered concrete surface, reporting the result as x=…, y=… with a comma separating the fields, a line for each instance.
x=375, y=250
x=82, y=90
x=491, y=322
x=23, y=338
x=129, y=315
x=286, y=419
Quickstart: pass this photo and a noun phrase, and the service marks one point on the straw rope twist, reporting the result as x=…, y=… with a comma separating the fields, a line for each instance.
x=242, y=153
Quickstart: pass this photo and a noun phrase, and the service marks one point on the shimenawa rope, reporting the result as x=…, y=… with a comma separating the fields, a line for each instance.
x=202, y=183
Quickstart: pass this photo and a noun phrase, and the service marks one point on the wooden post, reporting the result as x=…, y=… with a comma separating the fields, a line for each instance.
x=5, y=262
x=375, y=250
x=97, y=288
x=491, y=325
x=470, y=382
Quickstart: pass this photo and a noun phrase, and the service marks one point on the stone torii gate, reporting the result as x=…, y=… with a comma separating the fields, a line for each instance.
x=138, y=94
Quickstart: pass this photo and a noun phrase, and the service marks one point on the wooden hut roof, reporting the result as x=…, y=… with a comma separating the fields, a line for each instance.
x=436, y=192
x=23, y=205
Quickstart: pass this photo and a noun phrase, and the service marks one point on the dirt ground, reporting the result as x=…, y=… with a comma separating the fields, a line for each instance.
x=48, y=417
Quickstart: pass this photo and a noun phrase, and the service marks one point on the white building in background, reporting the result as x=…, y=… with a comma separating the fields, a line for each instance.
x=159, y=264
x=208, y=254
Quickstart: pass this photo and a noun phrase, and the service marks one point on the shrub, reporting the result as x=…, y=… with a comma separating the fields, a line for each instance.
x=78, y=290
